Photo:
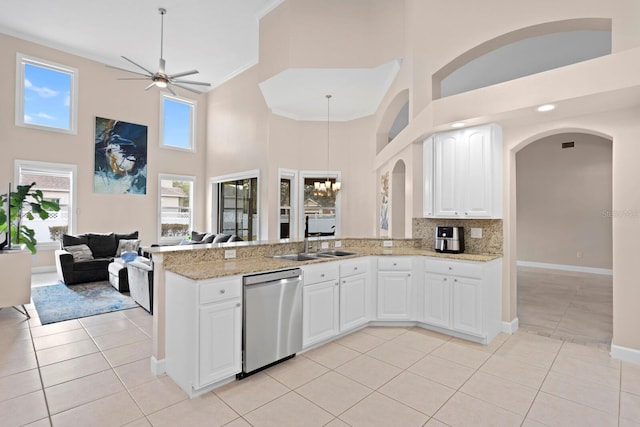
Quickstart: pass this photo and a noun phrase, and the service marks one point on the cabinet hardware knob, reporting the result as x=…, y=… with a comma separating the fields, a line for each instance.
x=444, y=279
x=409, y=275
x=355, y=268
x=455, y=280
x=394, y=264
x=238, y=304
x=455, y=213
x=322, y=275
x=450, y=268
x=466, y=213
x=338, y=283
x=344, y=281
x=222, y=291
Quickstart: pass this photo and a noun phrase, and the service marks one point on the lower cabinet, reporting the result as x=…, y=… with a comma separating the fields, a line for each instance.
x=203, y=331
x=320, y=302
x=354, y=293
x=394, y=288
x=220, y=343
x=463, y=296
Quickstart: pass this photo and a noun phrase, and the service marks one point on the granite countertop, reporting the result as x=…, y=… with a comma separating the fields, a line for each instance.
x=232, y=267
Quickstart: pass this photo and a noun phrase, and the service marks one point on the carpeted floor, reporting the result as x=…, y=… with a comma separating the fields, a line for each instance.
x=58, y=302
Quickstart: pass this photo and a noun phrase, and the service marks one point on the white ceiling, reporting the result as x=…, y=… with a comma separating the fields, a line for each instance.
x=217, y=37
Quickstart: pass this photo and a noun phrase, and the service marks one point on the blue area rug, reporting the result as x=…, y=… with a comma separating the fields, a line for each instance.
x=55, y=303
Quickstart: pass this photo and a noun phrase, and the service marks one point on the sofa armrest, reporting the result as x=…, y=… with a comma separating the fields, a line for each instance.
x=64, y=265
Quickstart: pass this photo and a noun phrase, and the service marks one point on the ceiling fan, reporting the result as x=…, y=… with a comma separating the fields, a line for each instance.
x=160, y=78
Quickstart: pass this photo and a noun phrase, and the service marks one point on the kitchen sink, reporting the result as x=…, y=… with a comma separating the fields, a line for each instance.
x=335, y=253
x=297, y=257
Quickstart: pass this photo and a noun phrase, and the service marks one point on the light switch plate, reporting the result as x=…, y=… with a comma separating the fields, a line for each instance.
x=387, y=243
x=337, y=244
x=324, y=245
x=229, y=253
x=476, y=233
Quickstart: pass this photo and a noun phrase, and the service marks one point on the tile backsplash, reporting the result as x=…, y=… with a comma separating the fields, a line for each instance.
x=489, y=243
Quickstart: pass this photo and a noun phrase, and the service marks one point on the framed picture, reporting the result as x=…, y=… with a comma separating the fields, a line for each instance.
x=384, y=204
x=120, y=157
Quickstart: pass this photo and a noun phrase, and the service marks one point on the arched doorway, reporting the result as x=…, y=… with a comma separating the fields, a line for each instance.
x=564, y=240
x=398, y=177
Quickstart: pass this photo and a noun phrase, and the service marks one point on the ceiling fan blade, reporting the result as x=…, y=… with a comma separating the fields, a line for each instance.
x=128, y=71
x=171, y=90
x=186, y=88
x=133, y=78
x=150, y=86
x=184, y=73
x=137, y=65
x=191, y=82
x=162, y=63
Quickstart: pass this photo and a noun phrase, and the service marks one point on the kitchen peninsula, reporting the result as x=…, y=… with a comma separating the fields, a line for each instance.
x=404, y=283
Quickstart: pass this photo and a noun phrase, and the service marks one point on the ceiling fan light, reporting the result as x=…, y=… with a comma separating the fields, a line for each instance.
x=161, y=83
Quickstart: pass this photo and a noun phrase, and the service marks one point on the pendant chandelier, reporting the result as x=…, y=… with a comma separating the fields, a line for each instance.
x=327, y=187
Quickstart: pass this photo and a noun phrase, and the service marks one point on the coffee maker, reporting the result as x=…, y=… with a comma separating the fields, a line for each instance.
x=450, y=240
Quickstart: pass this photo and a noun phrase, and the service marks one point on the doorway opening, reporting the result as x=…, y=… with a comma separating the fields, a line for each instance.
x=398, y=177
x=564, y=237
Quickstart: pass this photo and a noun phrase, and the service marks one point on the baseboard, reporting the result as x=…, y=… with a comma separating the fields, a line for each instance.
x=563, y=267
x=510, y=327
x=625, y=354
x=44, y=269
x=158, y=367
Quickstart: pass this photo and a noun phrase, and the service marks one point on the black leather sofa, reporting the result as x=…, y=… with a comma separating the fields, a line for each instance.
x=86, y=257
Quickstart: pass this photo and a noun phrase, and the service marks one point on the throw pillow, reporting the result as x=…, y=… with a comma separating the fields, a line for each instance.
x=197, y=237
x=221, y=238
x=127, y=246
x=130, y=236
x=102, y=245
x=209, y=238
x=235, y=238
x=69, y=240
x=80, y=252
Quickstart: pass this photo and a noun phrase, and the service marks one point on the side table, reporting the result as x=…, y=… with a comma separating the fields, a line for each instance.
x=15, y=270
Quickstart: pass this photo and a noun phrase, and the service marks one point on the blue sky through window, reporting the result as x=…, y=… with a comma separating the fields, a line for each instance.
x=177, y=124
x=47, y=97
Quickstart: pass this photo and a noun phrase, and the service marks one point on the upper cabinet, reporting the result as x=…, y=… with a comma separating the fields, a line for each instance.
x=463, y=173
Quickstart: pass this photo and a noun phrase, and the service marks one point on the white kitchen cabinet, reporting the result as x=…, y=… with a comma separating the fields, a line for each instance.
x=463, y=173
x=320, y=303
x=437, y=300
x=220, y=341
x=463, y=296
x=203, y=331
x=354, y=293
x=394, y=288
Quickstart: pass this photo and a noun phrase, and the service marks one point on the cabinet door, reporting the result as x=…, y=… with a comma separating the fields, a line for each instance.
x=437, y=299
x=445, y=181
x=220, y=341
x=353, y=302
x=319, y=312
x=427, y=177
x=394, y=295
x=467, y=305
x=476, y=175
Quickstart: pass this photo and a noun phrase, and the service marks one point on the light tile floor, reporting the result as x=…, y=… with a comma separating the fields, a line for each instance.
x=61, y=375
x=571, y=306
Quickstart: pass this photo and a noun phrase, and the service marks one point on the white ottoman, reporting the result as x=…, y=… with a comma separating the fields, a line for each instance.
x=140, y=273
x=118, y=275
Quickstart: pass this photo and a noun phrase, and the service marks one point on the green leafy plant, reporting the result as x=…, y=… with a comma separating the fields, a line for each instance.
x=25, y=203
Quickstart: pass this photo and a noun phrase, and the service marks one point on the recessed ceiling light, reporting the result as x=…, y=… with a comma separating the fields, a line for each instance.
x=458, y=125
x=546, y=107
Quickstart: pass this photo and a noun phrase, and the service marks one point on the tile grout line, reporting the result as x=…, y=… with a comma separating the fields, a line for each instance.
x=44, y=394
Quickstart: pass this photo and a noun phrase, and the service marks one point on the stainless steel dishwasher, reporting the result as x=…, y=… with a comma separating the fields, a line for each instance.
x=272, y=318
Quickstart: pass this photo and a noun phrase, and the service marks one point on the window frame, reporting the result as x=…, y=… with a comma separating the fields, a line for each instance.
x=21, y=60
x=321, y=176
x=214, y=183
x=194, y=110
x=291, y=175
x=72, y=169
x=174, y=177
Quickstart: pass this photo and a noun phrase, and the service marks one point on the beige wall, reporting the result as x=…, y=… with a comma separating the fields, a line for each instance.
x=563, y=201
x=100, y=94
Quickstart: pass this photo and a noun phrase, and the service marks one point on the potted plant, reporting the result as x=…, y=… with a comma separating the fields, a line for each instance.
x=24, y=203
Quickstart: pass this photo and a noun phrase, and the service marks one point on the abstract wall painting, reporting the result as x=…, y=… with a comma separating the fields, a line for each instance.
x=384, y=205
x=120, y=157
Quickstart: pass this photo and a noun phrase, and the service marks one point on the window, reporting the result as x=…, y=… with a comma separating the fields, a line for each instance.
x=57, y=182
x=178, y=122
x=176, y=207
x=46, y=95
x=286, y=218
x=322, y=208
x=236, y=205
